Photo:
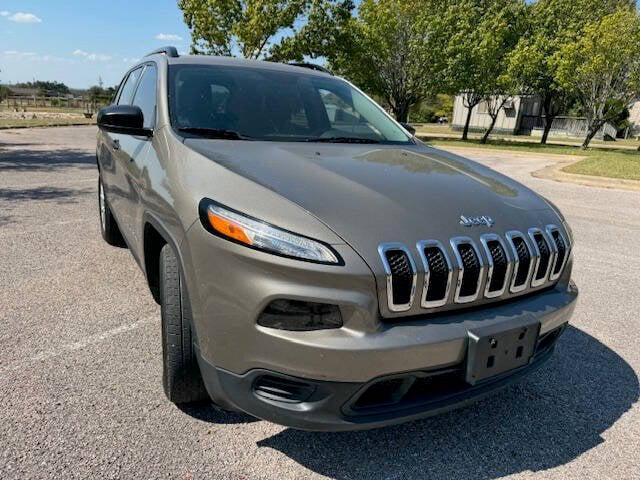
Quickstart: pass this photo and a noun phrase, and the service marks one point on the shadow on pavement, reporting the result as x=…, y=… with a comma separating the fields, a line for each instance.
x=208, y=413
x=26, y=160
x=549, y=419
x=63, y=195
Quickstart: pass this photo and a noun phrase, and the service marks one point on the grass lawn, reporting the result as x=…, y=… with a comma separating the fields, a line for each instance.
x=608, y=164
x=43, y=122
x=599, y=162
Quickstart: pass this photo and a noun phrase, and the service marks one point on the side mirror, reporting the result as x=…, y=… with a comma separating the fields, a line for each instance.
x=408, y=128
x=127, y=119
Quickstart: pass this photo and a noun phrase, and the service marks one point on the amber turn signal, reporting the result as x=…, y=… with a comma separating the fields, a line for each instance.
x=228, y=228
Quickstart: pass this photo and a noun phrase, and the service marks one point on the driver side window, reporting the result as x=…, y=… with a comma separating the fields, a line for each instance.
x=126, y=94
x=145, y=96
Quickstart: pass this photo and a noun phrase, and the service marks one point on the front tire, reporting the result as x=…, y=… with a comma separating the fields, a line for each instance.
x=181, y=376
x=108, y=226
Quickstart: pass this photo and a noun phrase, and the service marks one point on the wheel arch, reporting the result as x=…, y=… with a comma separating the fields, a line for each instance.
x=156, y=236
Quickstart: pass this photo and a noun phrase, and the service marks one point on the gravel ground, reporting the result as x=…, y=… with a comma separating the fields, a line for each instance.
x=80, y=356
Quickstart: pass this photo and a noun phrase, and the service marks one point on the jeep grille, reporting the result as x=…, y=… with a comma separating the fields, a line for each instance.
x=461, y=273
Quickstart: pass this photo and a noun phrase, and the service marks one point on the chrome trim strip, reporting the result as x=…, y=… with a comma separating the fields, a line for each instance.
x=484, y=240
x=550, y=229
x=421, y=245
x=455, y=242
x=382, y=249
x=532, y=232
x=516, y=261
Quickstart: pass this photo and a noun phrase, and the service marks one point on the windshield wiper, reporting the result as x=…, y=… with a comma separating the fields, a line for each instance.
x=215, y=133
x=342, y=140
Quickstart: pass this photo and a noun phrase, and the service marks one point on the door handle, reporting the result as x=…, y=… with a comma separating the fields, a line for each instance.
x=115, y=144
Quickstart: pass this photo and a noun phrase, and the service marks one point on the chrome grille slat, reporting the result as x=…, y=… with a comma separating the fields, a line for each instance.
x=515, y=285
x=562, y=247
x=431, y=273
x=383, y=250
x=458, y=244
x=544, y=256
x=488, y=240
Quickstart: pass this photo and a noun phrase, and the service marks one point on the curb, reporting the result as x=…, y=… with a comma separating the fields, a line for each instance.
x=555, y=171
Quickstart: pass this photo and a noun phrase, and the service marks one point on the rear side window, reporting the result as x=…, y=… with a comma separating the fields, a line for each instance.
x=145, y=96
x=126, y=94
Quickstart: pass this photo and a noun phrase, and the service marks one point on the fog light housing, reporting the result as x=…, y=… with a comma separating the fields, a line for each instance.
x=300, y=316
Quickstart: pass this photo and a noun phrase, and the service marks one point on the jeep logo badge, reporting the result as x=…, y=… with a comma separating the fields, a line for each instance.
x=476, y=221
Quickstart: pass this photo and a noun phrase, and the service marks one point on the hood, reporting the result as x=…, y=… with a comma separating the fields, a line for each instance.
x=371, y=194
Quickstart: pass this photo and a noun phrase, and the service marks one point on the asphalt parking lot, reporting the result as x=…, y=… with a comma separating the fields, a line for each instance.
x=80, y=384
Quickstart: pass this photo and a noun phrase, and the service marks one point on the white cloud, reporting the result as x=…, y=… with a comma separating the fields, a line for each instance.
x=22, y=17
x=4, y=13
x=169, y=37
x=16, y=53
x=99, y=57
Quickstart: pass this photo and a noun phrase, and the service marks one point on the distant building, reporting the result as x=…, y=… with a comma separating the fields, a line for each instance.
x=510, y=120
x=22, y=91
x=634, y=119
x=522, y=115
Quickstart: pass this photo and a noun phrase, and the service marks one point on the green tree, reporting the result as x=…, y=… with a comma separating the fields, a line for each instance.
x=46, y=88
x=433, y=108
x=391, y=50
x=481, y=35
x=255, y=29
x=552, y=24
x=325, y=31
x=603, y=68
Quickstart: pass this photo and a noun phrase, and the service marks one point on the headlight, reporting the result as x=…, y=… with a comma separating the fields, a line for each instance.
x=260, y=235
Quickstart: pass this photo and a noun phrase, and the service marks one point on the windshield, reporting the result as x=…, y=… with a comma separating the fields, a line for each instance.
x=240, y=103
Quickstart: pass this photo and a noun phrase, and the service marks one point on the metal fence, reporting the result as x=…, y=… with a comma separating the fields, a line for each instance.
x=563, y=126
x=24, y=103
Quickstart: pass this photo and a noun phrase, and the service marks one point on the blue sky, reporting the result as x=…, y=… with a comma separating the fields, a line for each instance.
x=77, y=41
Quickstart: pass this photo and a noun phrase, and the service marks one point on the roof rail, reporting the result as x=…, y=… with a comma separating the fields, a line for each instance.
x=168, y=51
x=311, y=66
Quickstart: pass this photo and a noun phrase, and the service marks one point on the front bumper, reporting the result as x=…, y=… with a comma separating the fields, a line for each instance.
x=342, y=406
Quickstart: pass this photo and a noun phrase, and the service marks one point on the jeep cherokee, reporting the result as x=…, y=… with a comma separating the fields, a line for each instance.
x=316, y=264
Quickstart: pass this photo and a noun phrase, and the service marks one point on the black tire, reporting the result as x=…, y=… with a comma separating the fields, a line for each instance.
x=108, y=226
x=181, y=376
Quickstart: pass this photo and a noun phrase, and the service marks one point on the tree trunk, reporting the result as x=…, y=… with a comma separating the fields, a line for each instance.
x=465, y=131
x=485, y=137
x=593, y=129
x=401, y=111
x=548, y=122
x=548, y=117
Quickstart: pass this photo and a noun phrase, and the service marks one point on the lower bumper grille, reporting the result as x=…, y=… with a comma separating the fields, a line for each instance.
x=281, y=389
x=422, y=388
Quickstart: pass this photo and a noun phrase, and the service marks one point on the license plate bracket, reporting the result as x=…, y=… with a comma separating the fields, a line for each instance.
x=492, y=350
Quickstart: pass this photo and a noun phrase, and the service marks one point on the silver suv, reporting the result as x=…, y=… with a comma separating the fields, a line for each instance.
x=317, y=265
